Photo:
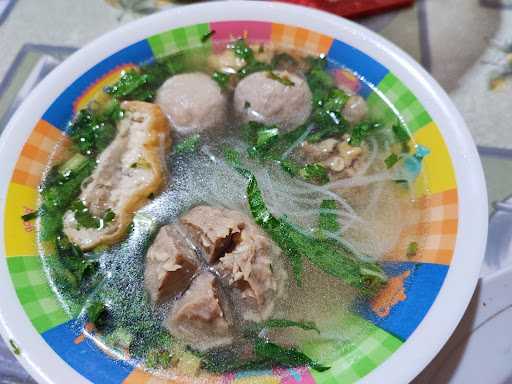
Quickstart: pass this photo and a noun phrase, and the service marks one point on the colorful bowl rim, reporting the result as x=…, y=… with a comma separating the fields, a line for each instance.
x=460, y=281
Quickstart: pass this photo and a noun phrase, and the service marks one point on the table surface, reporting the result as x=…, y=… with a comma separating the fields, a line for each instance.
x=465, y=44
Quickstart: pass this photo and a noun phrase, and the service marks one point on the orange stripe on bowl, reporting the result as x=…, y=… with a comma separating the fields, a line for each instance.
x=435, y=232
x=37, y=152
x=300, y=39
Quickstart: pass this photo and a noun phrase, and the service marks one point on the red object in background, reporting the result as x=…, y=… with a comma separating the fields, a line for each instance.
x=353, y=8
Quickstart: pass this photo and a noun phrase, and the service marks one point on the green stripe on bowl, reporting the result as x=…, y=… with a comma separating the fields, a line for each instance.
x=360, y=346
x=396, y=101
x=176, y=40
x=34, y=293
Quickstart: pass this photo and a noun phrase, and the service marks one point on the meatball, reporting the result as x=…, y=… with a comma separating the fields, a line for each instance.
x=355, y=109
x=242, y=254
x=278, y=97
x=193, y=102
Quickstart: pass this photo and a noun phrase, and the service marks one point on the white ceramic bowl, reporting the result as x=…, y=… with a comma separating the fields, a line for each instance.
x=469, y=241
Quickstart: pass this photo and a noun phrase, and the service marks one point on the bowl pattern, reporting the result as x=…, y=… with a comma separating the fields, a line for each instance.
x=386, y=322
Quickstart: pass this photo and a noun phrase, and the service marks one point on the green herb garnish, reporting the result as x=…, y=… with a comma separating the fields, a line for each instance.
x=91, y=132
x=231, y=363
x=283, y=60
x=242, y=50
x=276, y=144
x=234, y=158
x=15, y=349
x=401, y=133
x=207, y=36
x=283, y=323
x=285, y=80
x=391, y=160
x=158, y=359
x=188, y=145
x=412, y=249
x=312, y=173
x=328, y=101
x=30, y=216
x=260, y=137
x=328, y=219
x=109, y=216
x=134, y=85
x=286, y=357
x=315, y=173
x=362, y=131
x=291, y=167
x=85, y=219
x=97, y=313
x=142, y=83
x=365, y=276
x=221, y=78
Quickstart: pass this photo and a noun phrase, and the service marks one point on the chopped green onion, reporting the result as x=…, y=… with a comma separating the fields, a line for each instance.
x=286, y=357
x=328, y=219
x=315, y=173
x=15, y=349
x=391, y=160
x=242, y=50
x=74, y=164
x=221, y=78
x=188, y=145
x=401, y=133
x=31, y=215
x=207, y=36
x=361, y=132
x=158, y=359
x=283, y=60
x=109, y=216
x=284, y=323
x=412, y=249
x=291, y=167
x=83, y=217
x=234, y=158
x=97, y=313
x=285, y=80
x=366, y=276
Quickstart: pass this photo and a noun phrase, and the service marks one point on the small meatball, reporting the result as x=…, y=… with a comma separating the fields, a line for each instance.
x=198, y=317
x=170, y=265
x=243, y=255
x=320, y=151
x=355, y=109
x=130, y=169
x=260, y=97
x=193, y=102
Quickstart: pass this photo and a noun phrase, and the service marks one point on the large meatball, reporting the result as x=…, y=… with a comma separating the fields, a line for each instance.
x=277, y=97
x=193, y=102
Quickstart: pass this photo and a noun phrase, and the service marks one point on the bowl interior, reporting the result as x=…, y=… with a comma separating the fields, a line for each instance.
x=385, y=324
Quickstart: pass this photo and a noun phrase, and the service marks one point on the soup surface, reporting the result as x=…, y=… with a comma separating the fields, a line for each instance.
x=220, y=213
